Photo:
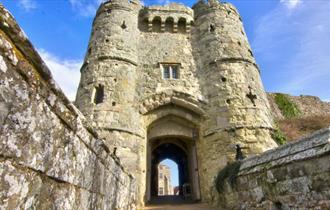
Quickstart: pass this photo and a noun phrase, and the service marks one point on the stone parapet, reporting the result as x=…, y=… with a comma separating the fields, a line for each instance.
x=294, y=176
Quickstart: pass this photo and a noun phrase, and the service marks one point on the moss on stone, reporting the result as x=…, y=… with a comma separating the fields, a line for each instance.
x=288, y=108
x=228, y=173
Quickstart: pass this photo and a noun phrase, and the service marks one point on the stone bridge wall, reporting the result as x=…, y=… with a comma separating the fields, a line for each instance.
x=291, y=177
x=49, y=157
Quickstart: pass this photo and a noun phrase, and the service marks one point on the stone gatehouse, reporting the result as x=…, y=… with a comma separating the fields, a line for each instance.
x=174, y=82
x=157, y=82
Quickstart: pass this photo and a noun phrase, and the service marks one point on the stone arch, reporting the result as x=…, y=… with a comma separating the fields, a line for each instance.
x=172, y=110
x=157, y=24
x=144, y=24
x=171, y=125
x=182, y=25
x=176, y=98
x=168, y=151
x=169, y=25
x=172, y=119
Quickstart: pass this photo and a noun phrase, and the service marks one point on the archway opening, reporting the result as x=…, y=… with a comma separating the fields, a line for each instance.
x=182, y=25
x=173, y=136
x=144, y=25
x=169, y=25
x=156, y=24
x=168, y=178
x=179, y=156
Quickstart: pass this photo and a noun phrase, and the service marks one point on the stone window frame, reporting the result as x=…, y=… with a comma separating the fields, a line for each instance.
x=98, y=94
x=170, y=71
x=160, y=191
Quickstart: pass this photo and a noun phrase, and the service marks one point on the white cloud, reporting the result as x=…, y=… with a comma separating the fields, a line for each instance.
x=291, y=4
x=86, y=8
x=294, y=48
x=65, y=72
x=27, y=5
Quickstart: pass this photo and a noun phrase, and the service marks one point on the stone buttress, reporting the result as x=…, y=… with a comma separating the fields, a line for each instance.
x=237, y=108
x=106, y=93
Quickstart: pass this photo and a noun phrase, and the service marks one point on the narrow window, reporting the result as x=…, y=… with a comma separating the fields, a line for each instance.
x=161, y=191
x=170, y=71
x=99, y=94
x=174, y=72
x=166, y=72
x=212, y=28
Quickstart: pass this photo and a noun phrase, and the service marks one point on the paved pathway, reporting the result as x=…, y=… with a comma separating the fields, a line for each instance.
x=175, y=203
x=197, y=206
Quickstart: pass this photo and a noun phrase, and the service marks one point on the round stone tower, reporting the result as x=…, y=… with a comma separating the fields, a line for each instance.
x=237, y=108
x=106, y=93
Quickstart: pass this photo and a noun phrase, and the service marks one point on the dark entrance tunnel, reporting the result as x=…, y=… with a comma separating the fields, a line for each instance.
x=172, y=152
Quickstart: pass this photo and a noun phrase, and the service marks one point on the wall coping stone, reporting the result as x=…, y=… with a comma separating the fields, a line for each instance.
x=317, y=144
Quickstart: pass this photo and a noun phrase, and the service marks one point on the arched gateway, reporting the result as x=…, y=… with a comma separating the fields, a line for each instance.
x=173, y=127
x=174, y=138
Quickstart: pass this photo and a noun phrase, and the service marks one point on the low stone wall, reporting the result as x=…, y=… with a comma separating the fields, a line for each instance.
x=294, y=176
x=49, y=157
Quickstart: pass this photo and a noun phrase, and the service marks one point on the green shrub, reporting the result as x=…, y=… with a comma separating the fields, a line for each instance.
x=288, y=108
x=228, y=173
x=279, y=137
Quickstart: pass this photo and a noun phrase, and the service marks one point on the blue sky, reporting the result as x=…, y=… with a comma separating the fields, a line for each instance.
x=290, y=39
x=174, y=171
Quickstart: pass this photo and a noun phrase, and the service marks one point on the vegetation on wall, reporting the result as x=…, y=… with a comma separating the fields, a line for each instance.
x=288, y=108
x=295, y=124
x=279, y=137
x=229, y=173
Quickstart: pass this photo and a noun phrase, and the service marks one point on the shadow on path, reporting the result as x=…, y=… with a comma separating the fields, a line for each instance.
x=175, y=203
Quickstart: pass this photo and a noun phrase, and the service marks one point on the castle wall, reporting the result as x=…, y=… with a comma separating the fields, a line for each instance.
x=217, y=79
x=156, y=48
x=111, y=61
x=216, y=74
x=50, y=158
x=236, y=105
x=294, y=176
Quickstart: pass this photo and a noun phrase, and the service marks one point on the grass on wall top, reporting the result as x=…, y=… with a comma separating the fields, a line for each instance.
x=288, y=108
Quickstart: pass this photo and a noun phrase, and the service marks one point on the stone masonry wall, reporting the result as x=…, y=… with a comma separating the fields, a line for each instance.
x=49, y=157
x=228, y=77
x=291, y=177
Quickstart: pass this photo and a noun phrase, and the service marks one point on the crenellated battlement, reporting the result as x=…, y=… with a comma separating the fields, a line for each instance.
x=174, y=18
